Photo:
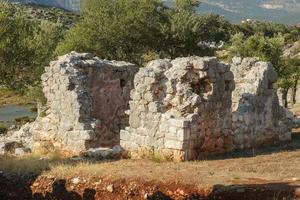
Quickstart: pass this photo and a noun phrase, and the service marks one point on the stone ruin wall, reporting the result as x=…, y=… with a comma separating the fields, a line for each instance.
x=86, y=99
x=257, y=117
x=183, y=109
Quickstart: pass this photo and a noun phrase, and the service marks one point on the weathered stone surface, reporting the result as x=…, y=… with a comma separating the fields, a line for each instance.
x=22, y=151
x=86, y=99
x=194, y=107
x=258, y=119
x=186, y=108
x=183, y=109
x=103, y=153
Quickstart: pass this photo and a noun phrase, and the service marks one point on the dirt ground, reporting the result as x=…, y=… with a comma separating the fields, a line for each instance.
x=271, y=173
x=268, y=173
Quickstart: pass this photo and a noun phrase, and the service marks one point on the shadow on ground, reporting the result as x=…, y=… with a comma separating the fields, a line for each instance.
x=19, y=186
x=293, y=145
x=21, y=190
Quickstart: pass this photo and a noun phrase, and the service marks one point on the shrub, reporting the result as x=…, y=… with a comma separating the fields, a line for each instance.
x=23, y=120
x=3, y=129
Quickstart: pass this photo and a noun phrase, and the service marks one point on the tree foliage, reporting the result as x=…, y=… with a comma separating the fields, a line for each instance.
x=26, y=46
x=121, y=30
x=133, y=30
x=267, y=49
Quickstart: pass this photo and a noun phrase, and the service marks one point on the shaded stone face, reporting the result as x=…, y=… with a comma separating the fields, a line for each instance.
x=181, y=108
x=258, y=119
x=87, y=98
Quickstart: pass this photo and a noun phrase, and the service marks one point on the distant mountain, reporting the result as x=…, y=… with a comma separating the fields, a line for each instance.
x=281, y=11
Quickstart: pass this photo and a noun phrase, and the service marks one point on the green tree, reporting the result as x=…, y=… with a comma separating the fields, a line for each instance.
x=121, y=29
x=187, y=5
x=139, y=30
x=15, y=51
x=267, y=49
x=26, y=46
x=46, y=37
x=289, y=78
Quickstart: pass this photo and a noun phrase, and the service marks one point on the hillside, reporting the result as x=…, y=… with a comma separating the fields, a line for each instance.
x=37, y=13
x=281, y=11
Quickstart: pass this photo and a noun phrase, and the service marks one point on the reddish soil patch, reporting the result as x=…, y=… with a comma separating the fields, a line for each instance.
x=45, y=187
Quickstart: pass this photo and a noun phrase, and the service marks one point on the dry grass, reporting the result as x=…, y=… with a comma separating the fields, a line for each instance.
x=8, y=97
x=32, y=163
x=276, y=166
x=283, y=166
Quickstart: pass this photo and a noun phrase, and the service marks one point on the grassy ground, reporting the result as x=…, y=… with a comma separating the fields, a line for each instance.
x=8, y=97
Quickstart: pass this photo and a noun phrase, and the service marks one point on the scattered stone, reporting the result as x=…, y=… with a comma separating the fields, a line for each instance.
x=22, y=151
x=75, y=180
x=146, y=196
x=76, y=158
x=103, y=153
x=295, y=179
x=110, y=188
x=9, y=147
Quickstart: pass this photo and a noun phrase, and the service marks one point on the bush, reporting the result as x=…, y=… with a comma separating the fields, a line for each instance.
x=23, y=120
x=26, y=46
x=3, y=129
x=139, y=30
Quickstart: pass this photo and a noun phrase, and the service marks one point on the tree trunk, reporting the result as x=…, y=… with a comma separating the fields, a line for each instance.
x=294, y=92
x=284, y=98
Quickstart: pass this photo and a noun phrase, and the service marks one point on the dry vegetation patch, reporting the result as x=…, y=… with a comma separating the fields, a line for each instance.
x=8, y=97
x=269, y=175
x=283, y=166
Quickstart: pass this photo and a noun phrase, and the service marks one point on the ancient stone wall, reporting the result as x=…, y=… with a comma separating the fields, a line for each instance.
x=185, y=108
x=257, y=117
x=180, y=108
x=86, y=98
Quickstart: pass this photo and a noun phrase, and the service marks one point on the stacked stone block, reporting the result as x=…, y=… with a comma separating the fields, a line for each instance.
x=86, y=98
x=180, y=108
x=258, y=119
